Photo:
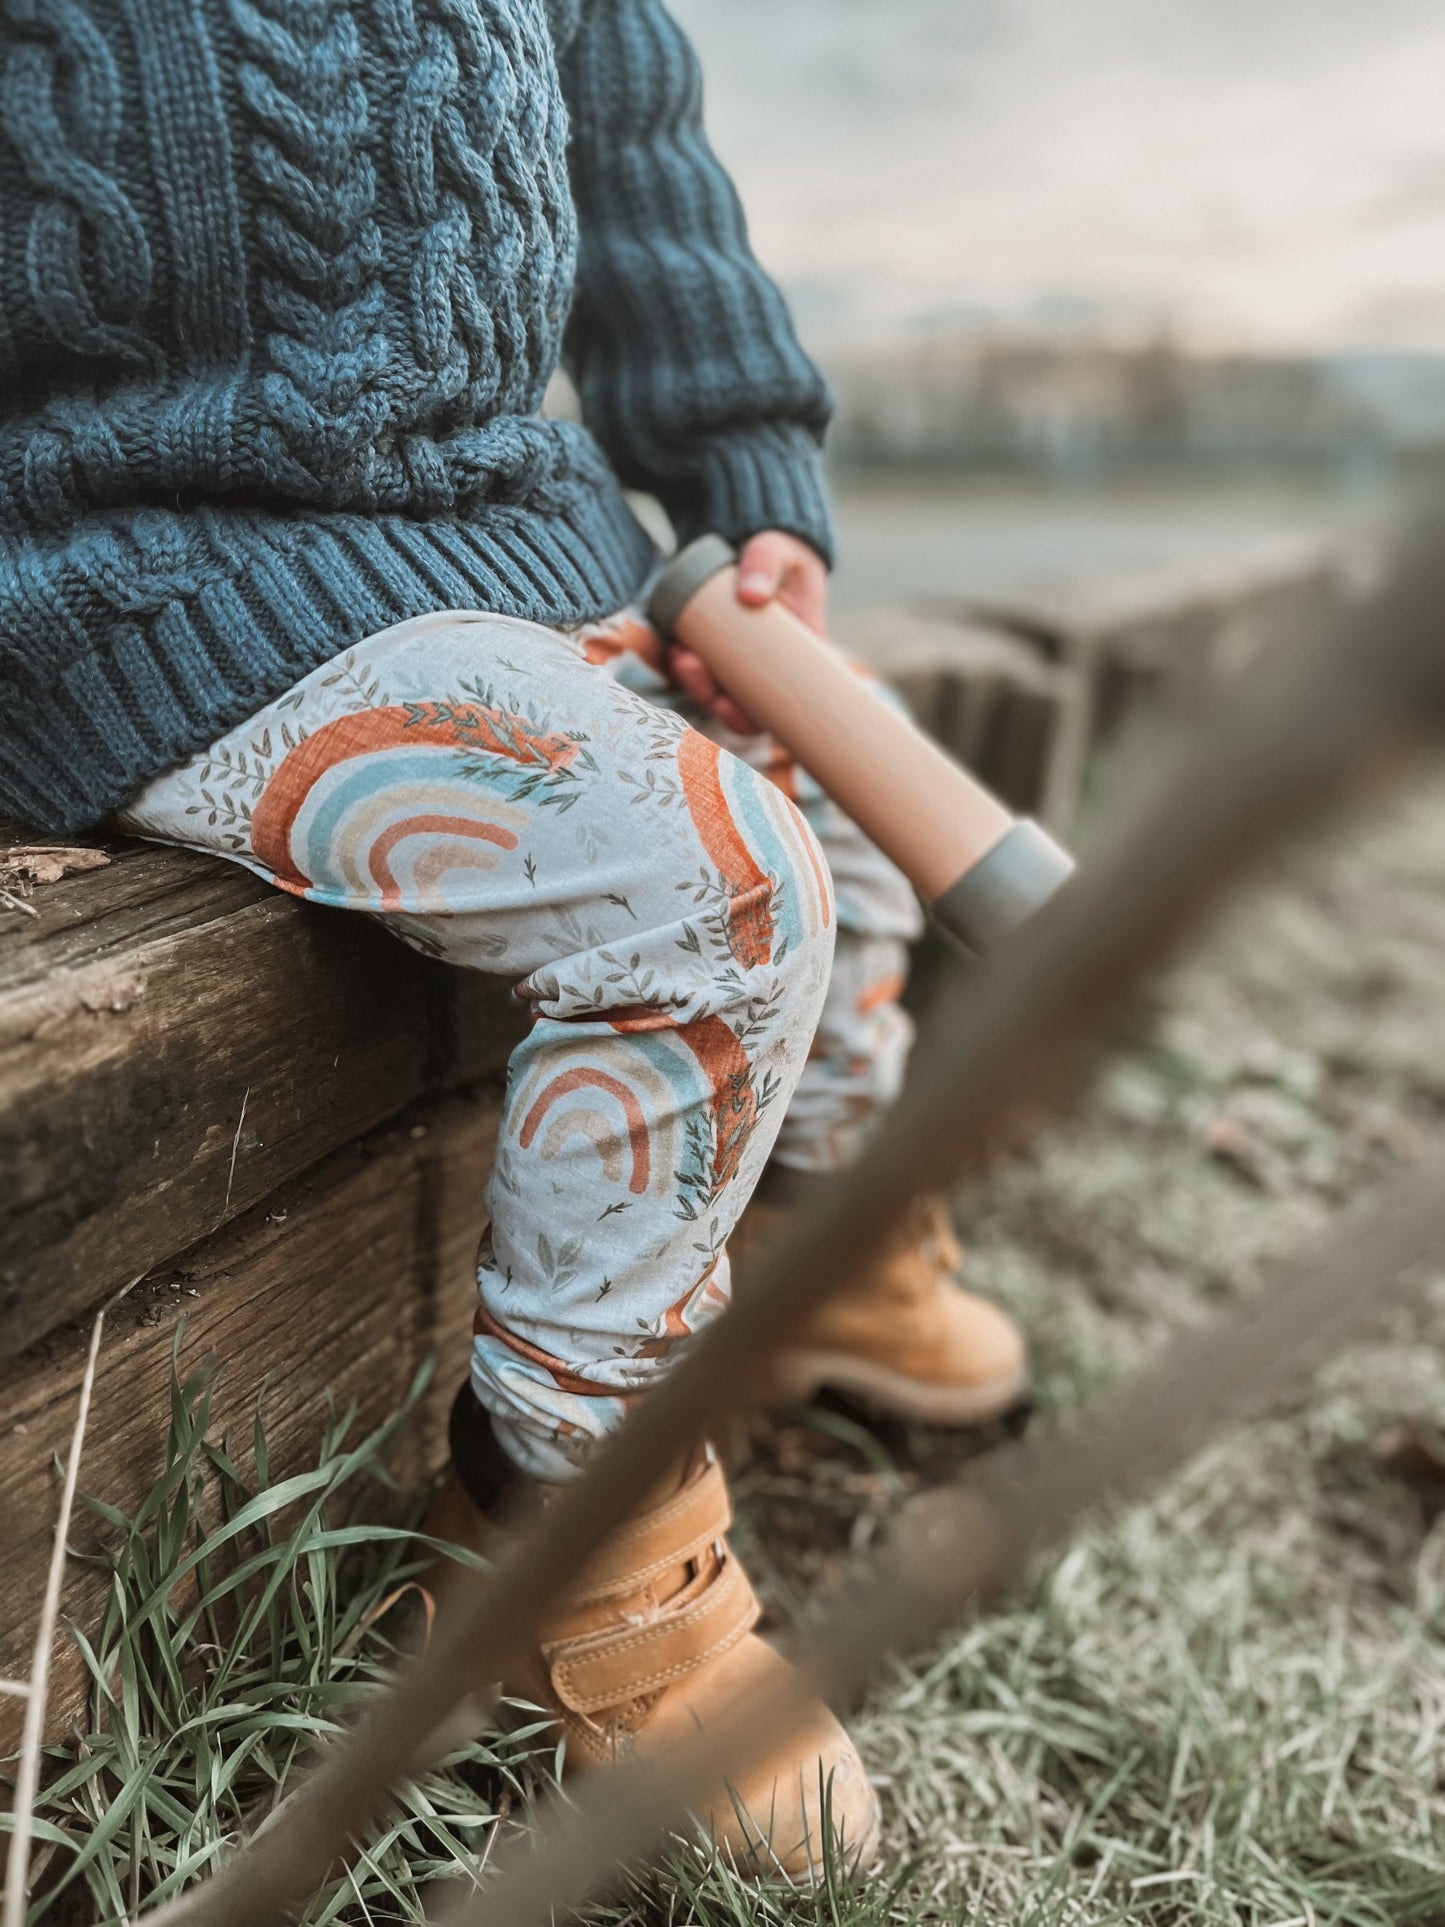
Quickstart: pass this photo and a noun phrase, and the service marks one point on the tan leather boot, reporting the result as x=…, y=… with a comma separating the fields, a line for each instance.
x=655, y=1641
x=906, y=1341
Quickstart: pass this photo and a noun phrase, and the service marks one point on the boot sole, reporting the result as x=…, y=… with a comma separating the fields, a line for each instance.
x=858, y=1862
x=860, y=1859
x=800, y=1376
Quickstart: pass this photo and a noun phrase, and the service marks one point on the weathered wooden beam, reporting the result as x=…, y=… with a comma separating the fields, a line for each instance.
x=330, y=1293
x=176, y=1039
x=1137, y=633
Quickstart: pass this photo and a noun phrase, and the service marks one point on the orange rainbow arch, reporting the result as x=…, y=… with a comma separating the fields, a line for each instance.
x=435, y=725
x=379, y=858
x=725, y=1064
x=581, y=1078
x=699, y=767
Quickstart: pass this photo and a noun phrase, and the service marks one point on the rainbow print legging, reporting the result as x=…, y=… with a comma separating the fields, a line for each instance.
x=712, y=955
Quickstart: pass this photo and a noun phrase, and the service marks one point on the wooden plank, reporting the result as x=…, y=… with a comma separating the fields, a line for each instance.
x=1077, y=613
x=176, y=1039
x=145, y=893
x=1138, y=634
x=336, y=1288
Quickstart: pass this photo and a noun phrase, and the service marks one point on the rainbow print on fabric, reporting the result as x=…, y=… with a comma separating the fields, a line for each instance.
x=508, y=797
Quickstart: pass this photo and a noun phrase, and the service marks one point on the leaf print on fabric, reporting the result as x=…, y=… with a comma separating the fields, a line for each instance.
x=356, y=683
x=663, y=916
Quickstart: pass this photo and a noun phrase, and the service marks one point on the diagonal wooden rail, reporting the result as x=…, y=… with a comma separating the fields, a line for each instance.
x=1004, y=1047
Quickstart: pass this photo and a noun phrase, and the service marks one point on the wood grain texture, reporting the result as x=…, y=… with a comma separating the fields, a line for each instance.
x=176, y=1039
x=331, y=1293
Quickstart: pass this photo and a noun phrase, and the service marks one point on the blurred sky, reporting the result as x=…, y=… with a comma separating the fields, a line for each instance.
x=1261, y=173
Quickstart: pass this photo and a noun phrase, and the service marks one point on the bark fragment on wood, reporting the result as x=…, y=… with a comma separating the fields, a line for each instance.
x=337, y=1288
x=49, y=862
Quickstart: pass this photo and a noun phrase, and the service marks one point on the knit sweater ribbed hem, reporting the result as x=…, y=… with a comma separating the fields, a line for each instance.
x=281, y=596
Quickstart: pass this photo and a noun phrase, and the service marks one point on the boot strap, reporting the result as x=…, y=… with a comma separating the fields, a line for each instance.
x=652, y=1543
x=627, y=1662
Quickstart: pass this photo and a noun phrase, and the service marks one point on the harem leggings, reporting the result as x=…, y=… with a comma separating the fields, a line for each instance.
x=712, y=955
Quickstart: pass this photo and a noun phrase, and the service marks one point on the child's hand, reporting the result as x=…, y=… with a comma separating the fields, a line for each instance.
x=772, y=567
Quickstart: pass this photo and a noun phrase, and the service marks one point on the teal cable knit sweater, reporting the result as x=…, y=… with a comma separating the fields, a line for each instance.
x=282, y=283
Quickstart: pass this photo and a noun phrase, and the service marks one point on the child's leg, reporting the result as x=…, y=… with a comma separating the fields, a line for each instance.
x=502, y=803
x=905, y=1338
x=860, y=1051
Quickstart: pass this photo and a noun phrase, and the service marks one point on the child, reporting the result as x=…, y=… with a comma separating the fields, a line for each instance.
x=281, y=285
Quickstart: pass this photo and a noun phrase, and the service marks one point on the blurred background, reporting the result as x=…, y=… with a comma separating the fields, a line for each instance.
x=1135, y=285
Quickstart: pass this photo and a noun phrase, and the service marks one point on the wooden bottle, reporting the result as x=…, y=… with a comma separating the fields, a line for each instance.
x=982, y=870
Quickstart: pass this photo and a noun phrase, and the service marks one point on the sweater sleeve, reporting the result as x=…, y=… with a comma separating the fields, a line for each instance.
x=681, y=348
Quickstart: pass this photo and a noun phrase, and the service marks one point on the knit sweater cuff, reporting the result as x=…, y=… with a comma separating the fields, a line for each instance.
x=769, y=478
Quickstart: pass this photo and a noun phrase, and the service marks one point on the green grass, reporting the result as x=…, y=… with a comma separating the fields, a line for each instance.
x=1226, y=1706
x=1222, y=1708
x=246, y=1615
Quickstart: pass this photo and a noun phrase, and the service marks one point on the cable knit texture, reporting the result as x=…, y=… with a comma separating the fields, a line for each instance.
x=282, y=284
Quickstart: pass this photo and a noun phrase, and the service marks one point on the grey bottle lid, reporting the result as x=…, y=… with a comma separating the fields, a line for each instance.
x=684, y=576
x=1004, y=889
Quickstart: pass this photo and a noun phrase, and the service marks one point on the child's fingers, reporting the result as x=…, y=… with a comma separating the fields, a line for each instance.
x=701, y=686
x=763, y=566
x=775, y=566
x=805, y=592
x=729, y=711
x=692, y=676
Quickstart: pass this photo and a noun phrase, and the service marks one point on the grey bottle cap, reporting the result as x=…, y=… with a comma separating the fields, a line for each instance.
x=1004, y=889
x=684, y=576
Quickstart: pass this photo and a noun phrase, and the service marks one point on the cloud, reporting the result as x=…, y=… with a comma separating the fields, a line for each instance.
x=1267, y=172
